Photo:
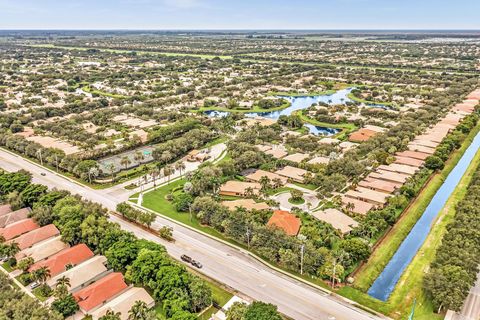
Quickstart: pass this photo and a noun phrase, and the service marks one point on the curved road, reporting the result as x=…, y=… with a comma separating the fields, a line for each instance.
x=221, y=262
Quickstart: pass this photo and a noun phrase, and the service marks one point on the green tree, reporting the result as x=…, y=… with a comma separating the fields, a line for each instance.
x=65, y=305
x=237, y=311
x=140, y=311
x=111, y=315
x=262, y=311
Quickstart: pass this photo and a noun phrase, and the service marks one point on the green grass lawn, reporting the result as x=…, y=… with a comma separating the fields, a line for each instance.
x=297, y=94
x=354, y=98
x=254, y=108
x=37, y=293
x=297, y=201
x=345, y=126
x=7, y=267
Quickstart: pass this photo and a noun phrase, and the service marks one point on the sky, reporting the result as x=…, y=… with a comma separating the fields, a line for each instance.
x=239, y=14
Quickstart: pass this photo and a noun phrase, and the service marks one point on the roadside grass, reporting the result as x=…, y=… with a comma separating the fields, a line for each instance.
x=409, y=286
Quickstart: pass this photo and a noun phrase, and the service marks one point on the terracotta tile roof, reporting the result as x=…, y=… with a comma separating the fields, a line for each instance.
x=258, y=174
x=18, y=228
x=409, y=161
x=286, y=221
x=56, y=263
x=4, y=209
x=292, y=173
x=13, y=217
x=35, y=236
x=296, y=157
x=362, y=135
x=100, y=291
x=413, y=154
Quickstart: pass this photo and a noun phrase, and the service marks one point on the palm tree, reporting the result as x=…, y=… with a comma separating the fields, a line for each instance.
x=41, y=274
x=61, y=287
x=125, y=161
x=12, y=249
x=168, y=171
x=111, y=167
x=180, y=165
x=111, y=315
x=140, y=311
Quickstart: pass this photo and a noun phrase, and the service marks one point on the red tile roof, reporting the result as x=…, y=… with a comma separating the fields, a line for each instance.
x=361, y=135
x=286, y=221
x=29, y=239
x=56, y=263
x=18, y=228
x=100, y=291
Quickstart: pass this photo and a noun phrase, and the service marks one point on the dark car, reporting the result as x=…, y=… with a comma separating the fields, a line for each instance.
x=197, y=264
x=186, y=258
x=43, y=174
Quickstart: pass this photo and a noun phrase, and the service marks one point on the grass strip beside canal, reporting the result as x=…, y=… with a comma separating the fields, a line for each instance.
x=411, y=280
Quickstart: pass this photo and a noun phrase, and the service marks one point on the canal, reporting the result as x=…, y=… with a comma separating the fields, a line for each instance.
x=385, y=283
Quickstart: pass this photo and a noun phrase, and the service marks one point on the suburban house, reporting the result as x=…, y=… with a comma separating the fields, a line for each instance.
x=248, y=204
x=36, y=236
x=58, y=262
x=14, y=216
x=286, y=221
x=357, y=206
x=82, y=274
x=238, y=188
x=258, y=174
x=124, y=302
x=337, y=219
x=295, y=174
x=296, y=157
x=42, y=250
x=4, y=209
x=18, y=228
x=100, y=291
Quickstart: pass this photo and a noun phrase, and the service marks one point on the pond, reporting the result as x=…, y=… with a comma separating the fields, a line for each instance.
x=385, y=283
x=301, y=103
x=298, y=103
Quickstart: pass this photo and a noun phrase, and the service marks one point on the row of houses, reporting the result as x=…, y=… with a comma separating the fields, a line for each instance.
x=378, y=186
x=95, y=287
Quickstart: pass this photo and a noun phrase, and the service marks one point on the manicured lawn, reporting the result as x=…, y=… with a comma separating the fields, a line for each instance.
x=155, y=200
x=297, y=94
x=296, y=201
x=346, y=126
x=37, y=293
x=352, y=97
x=306, y=186
x=7, y=267
x=254, y=108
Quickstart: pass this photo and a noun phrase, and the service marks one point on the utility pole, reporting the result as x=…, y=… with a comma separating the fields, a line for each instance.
x=56, y=161
x=248, y=237
x=302, y=251
x=40, y=153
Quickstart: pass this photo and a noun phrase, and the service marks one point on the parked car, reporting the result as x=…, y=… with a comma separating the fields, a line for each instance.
x=34, y=285
x=197, y=264
x=186, y=258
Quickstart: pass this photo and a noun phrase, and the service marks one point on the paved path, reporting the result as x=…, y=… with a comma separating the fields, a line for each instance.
x=471, y=306
x=221, y=262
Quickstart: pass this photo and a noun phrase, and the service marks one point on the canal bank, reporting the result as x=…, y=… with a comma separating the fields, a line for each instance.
x=399, y=305
x=385, y=283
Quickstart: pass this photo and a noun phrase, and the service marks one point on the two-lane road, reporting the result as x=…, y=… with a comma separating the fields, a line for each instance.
x=220, y=261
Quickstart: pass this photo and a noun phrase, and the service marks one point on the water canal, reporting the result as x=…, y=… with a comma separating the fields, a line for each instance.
x=385, y=283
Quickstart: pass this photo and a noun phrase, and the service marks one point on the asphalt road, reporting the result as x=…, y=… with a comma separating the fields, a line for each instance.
x=220, y=262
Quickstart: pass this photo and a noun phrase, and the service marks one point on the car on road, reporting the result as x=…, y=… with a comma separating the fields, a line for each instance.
x=43, y=174
x=186, y=258
x=197, y=264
